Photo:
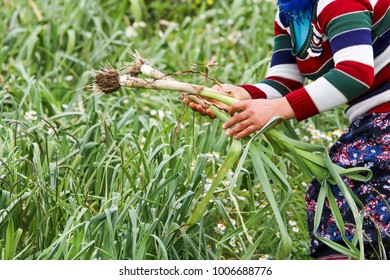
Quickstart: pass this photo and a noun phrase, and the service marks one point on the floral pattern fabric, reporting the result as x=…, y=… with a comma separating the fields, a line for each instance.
x=365, y=143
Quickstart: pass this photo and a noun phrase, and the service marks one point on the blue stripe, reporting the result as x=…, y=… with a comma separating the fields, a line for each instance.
x=351, y=38
x=282, y=57
x=382, y=43
x=382, y=88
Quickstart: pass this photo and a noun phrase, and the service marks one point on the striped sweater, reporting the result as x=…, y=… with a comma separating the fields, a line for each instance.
x=346, y=54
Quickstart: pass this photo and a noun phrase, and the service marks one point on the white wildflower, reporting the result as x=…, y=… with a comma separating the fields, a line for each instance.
x=31, y=115
x=337, y=133
x=50, y=131
x=315, y=134
x=226, y=183
x=232, y=241
x=264, y=257
x=216, y=155
x=264, y=204
x=292, y=223
x=80, y=106
x=234, y=37
x=208, y=184
x=192, y=165
x=69, y=78
x=220, y=228
x=130, y=32
x=140, y=24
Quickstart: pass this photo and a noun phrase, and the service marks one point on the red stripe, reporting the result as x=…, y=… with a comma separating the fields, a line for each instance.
x=381, y=77
x=384, y=108
x=317, y=26
x=302, y=104
x=359, y=71
x=254, y=91
x=380, y=10
x=310, y=66
x=278, y=30
x=338, y=8
x=290, y=84
x=334, y=257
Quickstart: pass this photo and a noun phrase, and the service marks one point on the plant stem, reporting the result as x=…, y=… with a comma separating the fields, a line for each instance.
x=132, y=82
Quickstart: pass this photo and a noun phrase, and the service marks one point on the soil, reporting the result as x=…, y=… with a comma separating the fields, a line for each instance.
x=107, y=81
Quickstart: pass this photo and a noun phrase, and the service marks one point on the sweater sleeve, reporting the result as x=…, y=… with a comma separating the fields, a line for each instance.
x=283, y=75
x=347, y=24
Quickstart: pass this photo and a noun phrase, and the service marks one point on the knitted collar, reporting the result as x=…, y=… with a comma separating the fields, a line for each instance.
x=295, y=9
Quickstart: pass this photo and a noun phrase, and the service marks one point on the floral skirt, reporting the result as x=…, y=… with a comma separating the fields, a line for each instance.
x=365, y=143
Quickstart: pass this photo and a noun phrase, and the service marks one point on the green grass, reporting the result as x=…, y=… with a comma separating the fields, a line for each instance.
x=86, y=176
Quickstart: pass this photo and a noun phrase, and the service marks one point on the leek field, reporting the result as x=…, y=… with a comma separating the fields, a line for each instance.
x=85, y=175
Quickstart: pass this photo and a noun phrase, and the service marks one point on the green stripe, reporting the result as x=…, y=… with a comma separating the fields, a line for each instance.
x=282, y=42
x=283, y=90
x=382, y=25
x=325, y=68
x=350, y=87
x=348, y=22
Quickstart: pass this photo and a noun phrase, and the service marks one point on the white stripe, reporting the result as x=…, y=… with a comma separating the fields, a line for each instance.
x=382, y=60
x=373, y=3
x=322, y=4
x=269, y=91
x=324, y=95
x=287, y=71
x=287, y=49
x=360, y=53
x=363, y=107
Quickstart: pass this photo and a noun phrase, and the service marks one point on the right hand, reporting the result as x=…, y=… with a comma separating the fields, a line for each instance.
x=238, y=92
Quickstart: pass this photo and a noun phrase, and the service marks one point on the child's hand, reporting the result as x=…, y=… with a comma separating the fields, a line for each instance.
x=254, y=114
x=238, y=92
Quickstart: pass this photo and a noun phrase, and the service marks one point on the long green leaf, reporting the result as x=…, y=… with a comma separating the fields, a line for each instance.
x=285, y=244
x=231, y=157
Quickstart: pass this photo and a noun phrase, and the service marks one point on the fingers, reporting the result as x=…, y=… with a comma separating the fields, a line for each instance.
x=235, y=120
x=238, y=106
x=238, y=92
x=218, y=87
x=242, y=129
x=246, y=132
x=199, y=108
x=244, y=123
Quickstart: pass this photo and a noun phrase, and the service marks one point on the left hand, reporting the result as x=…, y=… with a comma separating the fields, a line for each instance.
x=238, y=92
x=254, y=114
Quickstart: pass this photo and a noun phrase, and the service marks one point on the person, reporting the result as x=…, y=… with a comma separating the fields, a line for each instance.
x=343, y=47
